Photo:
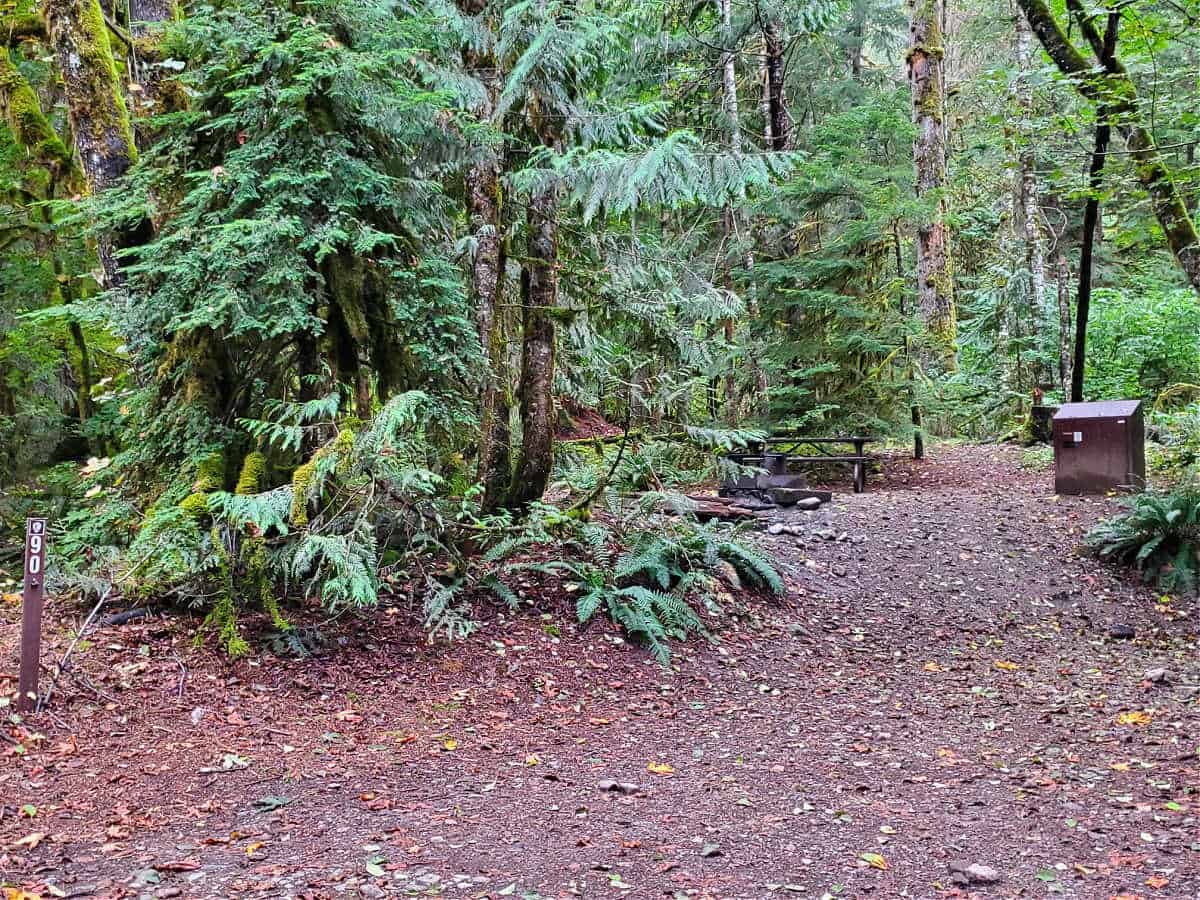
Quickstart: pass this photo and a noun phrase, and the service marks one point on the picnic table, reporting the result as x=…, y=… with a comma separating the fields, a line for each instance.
x=779, y=451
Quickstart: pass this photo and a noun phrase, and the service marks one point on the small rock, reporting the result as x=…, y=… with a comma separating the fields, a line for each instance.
x=1158, y=675
x=809, y=503
x=620, y=787
x=978, y=874
x=776, y=528
x=163, y=893
x=794, y=530
x=1122, y=632
x=372, y=891
x=711, y=850
x=961, y=873
x=827, y=534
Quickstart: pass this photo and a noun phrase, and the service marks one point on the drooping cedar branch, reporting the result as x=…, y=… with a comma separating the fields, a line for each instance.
x=1116, y=91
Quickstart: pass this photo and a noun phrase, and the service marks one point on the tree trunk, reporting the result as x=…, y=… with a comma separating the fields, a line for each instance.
x=1091, y=218
x=96, y=107
x=308, y=370
x=935, y=281
x=1116, y=90
x=1091, y=215
x=909, y=374
x=780, y=121
x=1064, y=325
x=539, y=283
x=1027, y=205
x=483, y=203
x=729, y=103
x=86, y=407
x=482, y=182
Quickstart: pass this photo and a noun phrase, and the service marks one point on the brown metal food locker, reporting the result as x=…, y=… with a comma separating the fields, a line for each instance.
x=1099, y=447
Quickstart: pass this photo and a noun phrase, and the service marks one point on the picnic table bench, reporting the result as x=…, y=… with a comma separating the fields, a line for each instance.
x=776, y=454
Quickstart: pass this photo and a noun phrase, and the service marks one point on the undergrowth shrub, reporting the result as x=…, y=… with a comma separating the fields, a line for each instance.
x=1176, y=435
x=370, y=512
x=1159, y=534
x=647, y=565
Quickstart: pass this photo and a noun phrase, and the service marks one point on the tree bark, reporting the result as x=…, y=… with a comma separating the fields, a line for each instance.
x=1064, y=325
x=540, y=301
x=1116, y=90
x=101, y=125
x=482, y=182
x=95, y=104
x=909, y=374
x=1091, y=218
x=1027, y=185
x=780, y=121
x=483, y=205
x=935, y=280
x=86, y=406
x=1091, y=215
x=23, y=113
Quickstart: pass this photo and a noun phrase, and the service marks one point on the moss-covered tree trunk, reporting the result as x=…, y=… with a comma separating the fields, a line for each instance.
x=28, y=123
x=935, y=279
x=539, y=283
x=96, y=107
x=482, y=183
x=1112, y=87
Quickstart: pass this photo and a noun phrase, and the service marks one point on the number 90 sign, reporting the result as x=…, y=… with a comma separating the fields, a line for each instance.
x=35, y=548
x=31, y=613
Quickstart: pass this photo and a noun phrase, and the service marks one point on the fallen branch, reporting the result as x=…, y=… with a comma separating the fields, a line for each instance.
x=62, y=663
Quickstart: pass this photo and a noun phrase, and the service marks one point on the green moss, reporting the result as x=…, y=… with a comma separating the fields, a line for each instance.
x=223, y=619
x=223, y=616
x=26, y=120
x=210, y=473
x=302, y=480
x=99, y=65
x=250, y=479
x=259, y=582
x=195, y=505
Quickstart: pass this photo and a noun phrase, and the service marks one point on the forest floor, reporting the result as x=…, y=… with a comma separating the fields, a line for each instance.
x=945, y=687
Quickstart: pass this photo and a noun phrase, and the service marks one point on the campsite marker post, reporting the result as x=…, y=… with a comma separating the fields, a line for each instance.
x=32, y=599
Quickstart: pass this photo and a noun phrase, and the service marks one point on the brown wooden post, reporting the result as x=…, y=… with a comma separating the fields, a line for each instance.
x=32, y=596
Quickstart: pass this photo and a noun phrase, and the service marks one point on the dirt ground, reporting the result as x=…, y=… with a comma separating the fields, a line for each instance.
x=943, y=706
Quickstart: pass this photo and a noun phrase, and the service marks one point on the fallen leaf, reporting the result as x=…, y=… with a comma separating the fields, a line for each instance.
x=449, y=744
x=1157, y=881
x=1005, y=665
x=32, y=840
x=932, y=667
x=1137, y=717
x=874, y=860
